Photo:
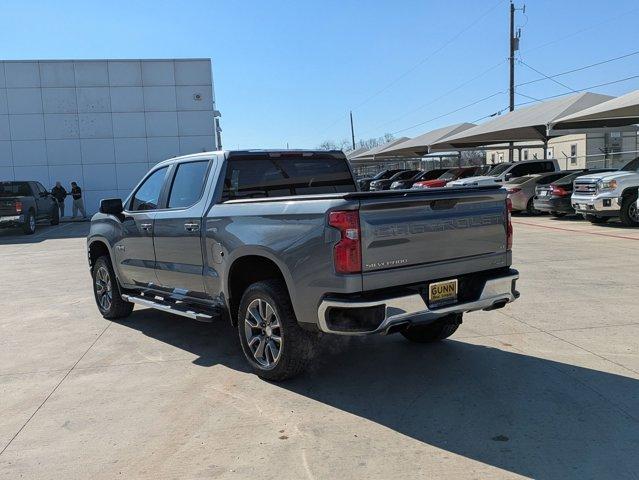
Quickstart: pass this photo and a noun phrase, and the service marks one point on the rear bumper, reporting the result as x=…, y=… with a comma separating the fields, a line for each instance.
x=556, y=204
x=398, y=311
x=11, y=220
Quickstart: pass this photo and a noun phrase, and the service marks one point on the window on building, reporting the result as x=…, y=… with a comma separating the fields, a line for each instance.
x=525, y=152
x=492, y=158
x=550, y=152
x=501, y=157
x=573, y=154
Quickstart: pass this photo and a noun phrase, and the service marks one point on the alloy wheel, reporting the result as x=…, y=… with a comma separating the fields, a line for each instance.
x=103, y=288
x=263, y=333
x=32, y=222
x=633, y=212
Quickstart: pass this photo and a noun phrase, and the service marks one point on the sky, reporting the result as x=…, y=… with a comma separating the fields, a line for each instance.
x=288, y=72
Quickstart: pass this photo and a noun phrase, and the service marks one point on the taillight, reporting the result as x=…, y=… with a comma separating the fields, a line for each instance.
x=514, y=190
x=347, y=254
x=558, y=191
x=509, y=224
x=18, y=205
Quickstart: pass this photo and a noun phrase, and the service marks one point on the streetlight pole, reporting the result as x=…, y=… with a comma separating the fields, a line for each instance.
x=352, y=131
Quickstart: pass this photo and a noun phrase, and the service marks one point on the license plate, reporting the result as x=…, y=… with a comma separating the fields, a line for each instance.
x=543, y=193
x=442, y=293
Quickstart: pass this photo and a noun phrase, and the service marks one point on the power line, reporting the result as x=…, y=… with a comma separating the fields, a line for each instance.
x=422, y=61
x=546, y=76
x=518, y=105
x=579, y=69
x=452, y=90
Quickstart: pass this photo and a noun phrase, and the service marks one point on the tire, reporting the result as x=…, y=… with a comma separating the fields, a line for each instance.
x=558, y=214
x=629, y=212
x=530, y=208
x=55, y=216
x=104, y=281
x=596, y=220
x=265, y=314
x=29, y=226
x=434, y=332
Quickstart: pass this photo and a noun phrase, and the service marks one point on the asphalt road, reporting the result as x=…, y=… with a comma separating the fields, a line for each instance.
x=546, y=388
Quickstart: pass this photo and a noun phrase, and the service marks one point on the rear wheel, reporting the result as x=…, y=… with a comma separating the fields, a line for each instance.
x=558, y=214
x=434, y=332
x=596, y=220
x=107, y=291
x=274, y=344
x=629, y=213
x=29, y=226
x=530, y=208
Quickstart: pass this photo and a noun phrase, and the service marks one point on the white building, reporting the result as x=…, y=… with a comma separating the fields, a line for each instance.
x=102, y=123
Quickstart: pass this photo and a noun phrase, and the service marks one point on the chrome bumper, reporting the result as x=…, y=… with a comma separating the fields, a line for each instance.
x=412, y=308
x=598, y=204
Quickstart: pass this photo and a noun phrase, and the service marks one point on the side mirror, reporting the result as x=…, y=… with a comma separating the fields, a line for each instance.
x=111, y=206
x=44, y=194
x=508, y=176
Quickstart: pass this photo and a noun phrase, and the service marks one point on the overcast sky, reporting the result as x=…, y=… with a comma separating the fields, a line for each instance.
x=289, y=71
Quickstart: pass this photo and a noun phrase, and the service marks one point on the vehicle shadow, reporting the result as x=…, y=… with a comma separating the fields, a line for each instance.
x=44, y=231
x=531, y=416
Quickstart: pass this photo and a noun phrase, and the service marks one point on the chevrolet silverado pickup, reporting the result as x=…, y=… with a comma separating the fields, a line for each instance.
x=23, y=204
x=601, y=196
x=283, y=244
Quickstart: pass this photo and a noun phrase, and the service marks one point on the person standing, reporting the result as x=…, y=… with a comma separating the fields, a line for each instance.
x=78, y=203
x=59, y=193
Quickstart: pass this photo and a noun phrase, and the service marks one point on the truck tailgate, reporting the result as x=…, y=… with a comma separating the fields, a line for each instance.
x=419, y=236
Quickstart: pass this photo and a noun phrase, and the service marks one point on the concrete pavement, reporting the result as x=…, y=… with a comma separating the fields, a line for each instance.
x=546, y=388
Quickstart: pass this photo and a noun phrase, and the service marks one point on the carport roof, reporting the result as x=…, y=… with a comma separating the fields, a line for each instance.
x=528, y=123
x=617, y=112
x=374, y=151
x=420, y=146
x=354, y=153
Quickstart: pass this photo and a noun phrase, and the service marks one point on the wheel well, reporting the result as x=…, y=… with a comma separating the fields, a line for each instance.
x=96, y=250
x=630, y=191
x=246, y=271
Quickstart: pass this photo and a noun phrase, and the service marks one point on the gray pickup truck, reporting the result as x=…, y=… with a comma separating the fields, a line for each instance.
x=283, y=244
x=23, y=204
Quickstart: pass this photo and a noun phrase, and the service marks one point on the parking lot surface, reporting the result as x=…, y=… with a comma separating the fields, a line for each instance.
x=545, y=388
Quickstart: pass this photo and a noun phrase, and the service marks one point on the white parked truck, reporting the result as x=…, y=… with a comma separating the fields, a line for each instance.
x=601, y=196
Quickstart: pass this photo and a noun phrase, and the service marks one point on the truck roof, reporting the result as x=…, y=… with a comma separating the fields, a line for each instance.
x=258, y=153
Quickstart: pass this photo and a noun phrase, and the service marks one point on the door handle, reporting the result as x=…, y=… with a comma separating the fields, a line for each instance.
x=146, y=226
x=192, y=227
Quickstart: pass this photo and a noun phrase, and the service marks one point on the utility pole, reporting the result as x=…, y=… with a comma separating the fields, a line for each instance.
x=352, y=131
x=514, y=46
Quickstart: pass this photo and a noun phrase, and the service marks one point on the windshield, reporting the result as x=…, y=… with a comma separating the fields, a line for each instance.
x=449, y=175
x=14, y=189
x=499, y=169
x=631, y=166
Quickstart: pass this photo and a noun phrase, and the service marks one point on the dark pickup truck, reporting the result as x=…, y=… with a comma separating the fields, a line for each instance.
x=284, y=245
x=23, y=204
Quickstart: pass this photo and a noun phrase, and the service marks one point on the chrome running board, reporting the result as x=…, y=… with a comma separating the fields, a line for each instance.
x=178, y=308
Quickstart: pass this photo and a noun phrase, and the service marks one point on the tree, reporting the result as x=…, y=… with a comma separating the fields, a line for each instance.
x=473, y=157
x=346, y=145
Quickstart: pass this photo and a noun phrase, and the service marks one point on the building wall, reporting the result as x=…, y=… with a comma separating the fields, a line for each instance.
x=587, y=152
x=101, y=123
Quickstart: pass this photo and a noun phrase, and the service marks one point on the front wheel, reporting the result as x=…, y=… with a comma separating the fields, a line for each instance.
x=29, y=226
x=629, y=213
x=596, y=220
x=107, y=291
x=434, y=332
x=558, y=214
x=276, y=347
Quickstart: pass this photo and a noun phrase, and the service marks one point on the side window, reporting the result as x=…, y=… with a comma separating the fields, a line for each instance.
x=550, y=167
x=187, y=184
x=517, y=171
x=148, y=195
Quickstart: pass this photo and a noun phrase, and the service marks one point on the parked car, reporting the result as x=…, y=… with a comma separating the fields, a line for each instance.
x=365, y=183
x=602, y=196
x=448, y=176
x=504, y=172
x=428, y=175
x=23, y=204
x=386, y=183
x=521, y=191
x=554, y=198
x=284, y=244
